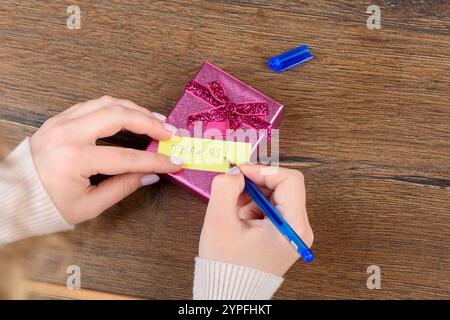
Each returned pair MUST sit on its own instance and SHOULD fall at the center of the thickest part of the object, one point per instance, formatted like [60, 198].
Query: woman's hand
[65, 155]
[236, 231]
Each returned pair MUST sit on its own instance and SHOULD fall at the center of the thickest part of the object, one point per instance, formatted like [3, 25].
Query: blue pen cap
[291, 58]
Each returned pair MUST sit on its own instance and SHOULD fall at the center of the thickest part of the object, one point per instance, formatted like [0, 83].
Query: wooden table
[367, 121]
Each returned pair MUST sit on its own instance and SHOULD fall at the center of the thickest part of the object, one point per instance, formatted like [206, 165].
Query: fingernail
[159, 116]
[170, 127]
[149, 179]
[234, 171]
[176, 161]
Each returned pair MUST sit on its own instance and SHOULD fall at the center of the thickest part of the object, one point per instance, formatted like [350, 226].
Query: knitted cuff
[215, 280]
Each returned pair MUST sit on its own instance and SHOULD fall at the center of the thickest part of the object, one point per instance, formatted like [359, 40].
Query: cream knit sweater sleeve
[215, 280]
[26, 210]
[25, 207]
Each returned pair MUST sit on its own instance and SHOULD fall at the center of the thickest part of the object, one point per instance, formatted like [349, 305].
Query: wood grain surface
[367, 121]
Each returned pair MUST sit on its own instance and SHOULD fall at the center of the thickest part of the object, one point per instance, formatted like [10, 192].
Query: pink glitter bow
[222, 108]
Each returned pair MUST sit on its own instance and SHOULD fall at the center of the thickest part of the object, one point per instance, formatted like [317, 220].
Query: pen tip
[231, 164]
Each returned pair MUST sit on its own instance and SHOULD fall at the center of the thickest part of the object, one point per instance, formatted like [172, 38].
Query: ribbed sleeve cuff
[215, 280]
[26, 209]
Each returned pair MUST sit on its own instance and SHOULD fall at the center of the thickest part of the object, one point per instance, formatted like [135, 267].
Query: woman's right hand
[236, 231]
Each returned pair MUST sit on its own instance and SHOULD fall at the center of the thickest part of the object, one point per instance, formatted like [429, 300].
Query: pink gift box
[199, 182]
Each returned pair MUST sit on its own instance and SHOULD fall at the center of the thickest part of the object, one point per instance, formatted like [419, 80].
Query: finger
[269, 176]
[275, 177]
[110, 191]
[117, 160]
[90, 106]
[289, 189]
[248, 208]
[250, 212]
[223, 203]
[301, 226]
[245, 199]
[108, 121]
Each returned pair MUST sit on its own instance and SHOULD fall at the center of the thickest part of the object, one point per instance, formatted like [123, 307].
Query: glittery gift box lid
[199, 182]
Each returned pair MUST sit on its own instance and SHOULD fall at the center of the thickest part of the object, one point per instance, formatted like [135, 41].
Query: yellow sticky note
[206, 154]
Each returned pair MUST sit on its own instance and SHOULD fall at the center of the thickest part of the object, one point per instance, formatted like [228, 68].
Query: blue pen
[277, 219]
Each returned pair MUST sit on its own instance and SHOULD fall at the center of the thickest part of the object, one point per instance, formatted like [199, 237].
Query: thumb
[223, 202]
[111, 191]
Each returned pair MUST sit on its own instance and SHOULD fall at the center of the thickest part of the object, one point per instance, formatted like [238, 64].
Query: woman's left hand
[65, 155]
